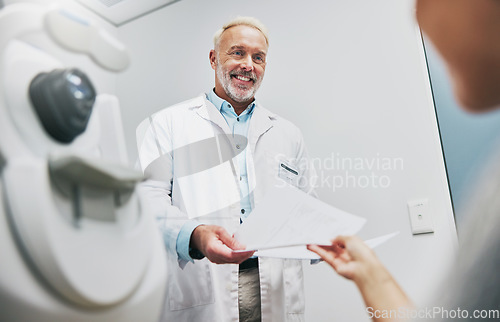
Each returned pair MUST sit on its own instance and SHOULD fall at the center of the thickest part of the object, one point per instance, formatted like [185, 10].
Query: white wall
[352, 76]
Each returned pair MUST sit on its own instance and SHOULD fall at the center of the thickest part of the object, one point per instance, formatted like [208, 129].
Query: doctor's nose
[247, 63]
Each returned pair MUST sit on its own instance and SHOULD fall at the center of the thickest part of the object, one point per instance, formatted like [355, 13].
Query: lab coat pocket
[288, 173]
[190, 286]
[284, 168]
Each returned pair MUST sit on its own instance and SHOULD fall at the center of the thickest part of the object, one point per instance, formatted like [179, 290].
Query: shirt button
[243, 211]
[241, 178]
[238, 119]
[238, 146]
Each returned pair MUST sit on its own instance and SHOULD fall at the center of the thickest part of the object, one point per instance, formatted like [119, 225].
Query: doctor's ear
[213, 57]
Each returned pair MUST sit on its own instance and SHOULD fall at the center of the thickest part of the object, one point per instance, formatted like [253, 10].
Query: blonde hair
[245, 21]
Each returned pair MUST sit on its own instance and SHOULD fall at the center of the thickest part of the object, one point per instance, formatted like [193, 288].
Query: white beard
[238, 94]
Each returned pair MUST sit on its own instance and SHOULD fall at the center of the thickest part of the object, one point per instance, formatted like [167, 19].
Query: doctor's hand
[217, 245]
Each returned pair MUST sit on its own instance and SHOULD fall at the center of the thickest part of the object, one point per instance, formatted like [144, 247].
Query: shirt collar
[225, 107]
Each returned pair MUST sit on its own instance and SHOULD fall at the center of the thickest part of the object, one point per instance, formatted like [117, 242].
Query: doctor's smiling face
[239, 61]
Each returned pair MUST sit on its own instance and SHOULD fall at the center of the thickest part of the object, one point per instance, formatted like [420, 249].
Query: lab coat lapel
[260, 123]
[209, 112]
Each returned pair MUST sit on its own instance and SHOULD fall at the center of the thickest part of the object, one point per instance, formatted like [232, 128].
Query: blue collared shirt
[239, 125]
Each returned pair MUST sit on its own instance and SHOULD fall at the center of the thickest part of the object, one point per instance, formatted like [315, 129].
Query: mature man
[210, 161]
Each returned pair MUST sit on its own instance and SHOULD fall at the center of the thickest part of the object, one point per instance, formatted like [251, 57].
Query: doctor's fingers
[224, 255]
[238, 258]
[229, 240]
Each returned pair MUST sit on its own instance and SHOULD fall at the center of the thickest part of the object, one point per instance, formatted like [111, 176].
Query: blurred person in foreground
[467, 35]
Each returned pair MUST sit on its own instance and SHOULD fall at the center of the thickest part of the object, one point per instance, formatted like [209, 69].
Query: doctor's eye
[238, 53]
[259, 59]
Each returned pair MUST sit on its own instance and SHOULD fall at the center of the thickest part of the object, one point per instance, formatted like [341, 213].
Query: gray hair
[245, 21]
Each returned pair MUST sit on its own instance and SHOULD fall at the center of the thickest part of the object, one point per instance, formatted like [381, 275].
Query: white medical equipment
[76, 240]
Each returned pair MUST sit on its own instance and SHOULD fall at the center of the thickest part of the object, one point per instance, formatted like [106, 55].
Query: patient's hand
[353, 259]
[349, 256]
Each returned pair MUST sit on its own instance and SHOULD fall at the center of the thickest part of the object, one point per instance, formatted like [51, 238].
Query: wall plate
[420, 217]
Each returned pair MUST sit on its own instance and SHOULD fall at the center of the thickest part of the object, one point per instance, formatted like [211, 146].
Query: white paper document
[289, 217]
[374, 242]
[301, 252]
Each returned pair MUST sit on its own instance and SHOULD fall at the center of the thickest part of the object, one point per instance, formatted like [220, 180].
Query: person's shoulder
[279, 120]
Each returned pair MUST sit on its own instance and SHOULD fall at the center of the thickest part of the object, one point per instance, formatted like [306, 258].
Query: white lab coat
[203, 291]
